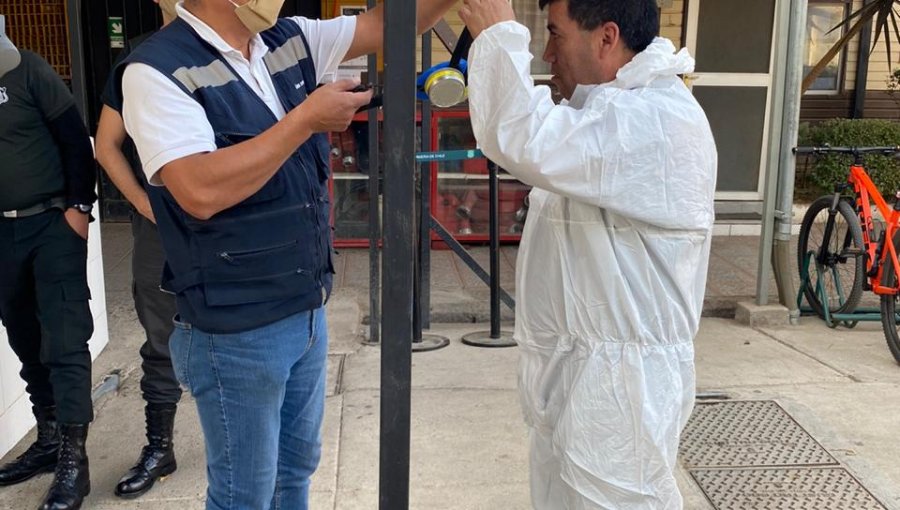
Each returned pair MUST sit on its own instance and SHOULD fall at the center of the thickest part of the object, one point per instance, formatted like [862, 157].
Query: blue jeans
[260, 395]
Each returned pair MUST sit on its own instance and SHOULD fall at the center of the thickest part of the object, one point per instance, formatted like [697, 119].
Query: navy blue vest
[269, 256]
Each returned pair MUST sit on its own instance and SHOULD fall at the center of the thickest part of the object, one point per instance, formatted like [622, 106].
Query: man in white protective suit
[613, 260]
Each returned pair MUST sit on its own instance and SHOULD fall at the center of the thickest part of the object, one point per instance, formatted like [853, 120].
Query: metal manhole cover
[784, 489]
[748, 433]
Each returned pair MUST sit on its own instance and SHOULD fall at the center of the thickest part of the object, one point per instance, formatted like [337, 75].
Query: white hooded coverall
[611, 269]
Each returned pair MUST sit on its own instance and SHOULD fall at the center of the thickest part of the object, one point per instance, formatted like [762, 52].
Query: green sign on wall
[116, 32]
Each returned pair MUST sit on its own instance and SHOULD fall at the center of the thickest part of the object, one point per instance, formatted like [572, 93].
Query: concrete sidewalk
[469, 447]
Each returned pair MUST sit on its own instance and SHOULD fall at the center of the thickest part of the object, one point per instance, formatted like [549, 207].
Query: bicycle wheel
[889, 305]
[842, 264]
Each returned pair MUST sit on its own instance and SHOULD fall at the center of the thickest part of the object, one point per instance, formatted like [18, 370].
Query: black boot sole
[78, 505]
[134, 495]
[45, 469]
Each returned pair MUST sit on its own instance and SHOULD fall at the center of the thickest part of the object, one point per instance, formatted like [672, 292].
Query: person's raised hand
[479, 15]
[332, 106]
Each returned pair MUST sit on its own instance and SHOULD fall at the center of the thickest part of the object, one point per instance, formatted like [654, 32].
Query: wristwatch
[83, 208]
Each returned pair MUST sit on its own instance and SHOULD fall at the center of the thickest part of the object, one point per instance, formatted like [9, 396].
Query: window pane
[739, 143]
[820, 20]
[530, 15]
[735, 36]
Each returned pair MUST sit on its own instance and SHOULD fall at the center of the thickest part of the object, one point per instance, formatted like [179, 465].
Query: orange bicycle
[843, 251]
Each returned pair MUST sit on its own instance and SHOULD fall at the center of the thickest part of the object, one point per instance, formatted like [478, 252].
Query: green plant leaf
[881, 11]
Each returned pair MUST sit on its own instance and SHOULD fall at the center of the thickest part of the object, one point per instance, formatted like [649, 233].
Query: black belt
[53, 203]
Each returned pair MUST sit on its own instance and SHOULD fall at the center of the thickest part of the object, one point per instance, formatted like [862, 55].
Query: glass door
[732, 43]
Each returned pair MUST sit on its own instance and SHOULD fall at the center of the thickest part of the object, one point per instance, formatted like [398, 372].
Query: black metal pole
[399, 251]
[423, 342]
[374, 210]
[494, 191]
[76, 48]
[495, 337]
[419, 277]
[417, 262]
[417, 282]
[425, 217]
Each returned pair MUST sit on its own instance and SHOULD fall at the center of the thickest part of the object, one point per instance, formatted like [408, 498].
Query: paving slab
[444, 273]
[728, 355]
[861, 353]
[344, 317]
[488, 497]
[323, 485]
[455, 366]
[462, 441]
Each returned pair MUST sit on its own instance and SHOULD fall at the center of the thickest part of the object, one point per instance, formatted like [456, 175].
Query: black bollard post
[494, 192]
[495, 337]
[423, 342]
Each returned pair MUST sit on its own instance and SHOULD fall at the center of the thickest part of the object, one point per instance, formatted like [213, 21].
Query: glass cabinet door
[350, 172]
[461, 200]
[459, 192]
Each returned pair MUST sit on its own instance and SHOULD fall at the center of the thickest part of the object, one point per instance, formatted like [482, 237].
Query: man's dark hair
[638, 20]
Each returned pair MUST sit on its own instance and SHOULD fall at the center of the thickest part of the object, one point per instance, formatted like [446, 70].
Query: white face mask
[258, 15]
[9, 55]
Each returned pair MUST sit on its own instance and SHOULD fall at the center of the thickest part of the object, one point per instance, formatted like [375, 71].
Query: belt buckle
[10, 214]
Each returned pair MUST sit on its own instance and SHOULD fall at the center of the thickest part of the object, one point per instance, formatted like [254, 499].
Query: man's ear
[606, 38]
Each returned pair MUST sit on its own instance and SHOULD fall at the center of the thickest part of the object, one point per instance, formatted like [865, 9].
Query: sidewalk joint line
[810, 356]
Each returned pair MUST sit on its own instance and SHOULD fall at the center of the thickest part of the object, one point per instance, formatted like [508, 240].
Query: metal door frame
[753, 80]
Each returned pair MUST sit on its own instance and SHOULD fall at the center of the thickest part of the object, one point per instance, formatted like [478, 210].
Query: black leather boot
[157, 458]
[72, 482]
[40, 457]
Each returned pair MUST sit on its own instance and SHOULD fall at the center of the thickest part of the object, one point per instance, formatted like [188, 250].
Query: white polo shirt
[167, 124]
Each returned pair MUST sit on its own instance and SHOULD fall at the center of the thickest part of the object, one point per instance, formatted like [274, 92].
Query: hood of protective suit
[611, 269]
[658, 60]
[9, 55]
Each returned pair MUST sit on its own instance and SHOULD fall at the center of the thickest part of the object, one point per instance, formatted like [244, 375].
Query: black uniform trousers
[44, 306]
[155, 310]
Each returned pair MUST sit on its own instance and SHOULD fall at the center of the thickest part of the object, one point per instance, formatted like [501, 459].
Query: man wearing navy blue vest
[223, 107]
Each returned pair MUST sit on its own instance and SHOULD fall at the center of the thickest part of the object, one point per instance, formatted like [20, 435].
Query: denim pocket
[311, 330]
[178, 324]
[180, 351]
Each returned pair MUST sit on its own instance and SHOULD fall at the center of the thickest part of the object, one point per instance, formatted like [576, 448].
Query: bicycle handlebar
[856, 151]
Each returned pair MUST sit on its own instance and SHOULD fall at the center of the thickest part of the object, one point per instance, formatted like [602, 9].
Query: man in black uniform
[47, 183]
[155, 308]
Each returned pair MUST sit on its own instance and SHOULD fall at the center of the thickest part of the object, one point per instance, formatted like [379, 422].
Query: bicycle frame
[866, 193]
[824, 260]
